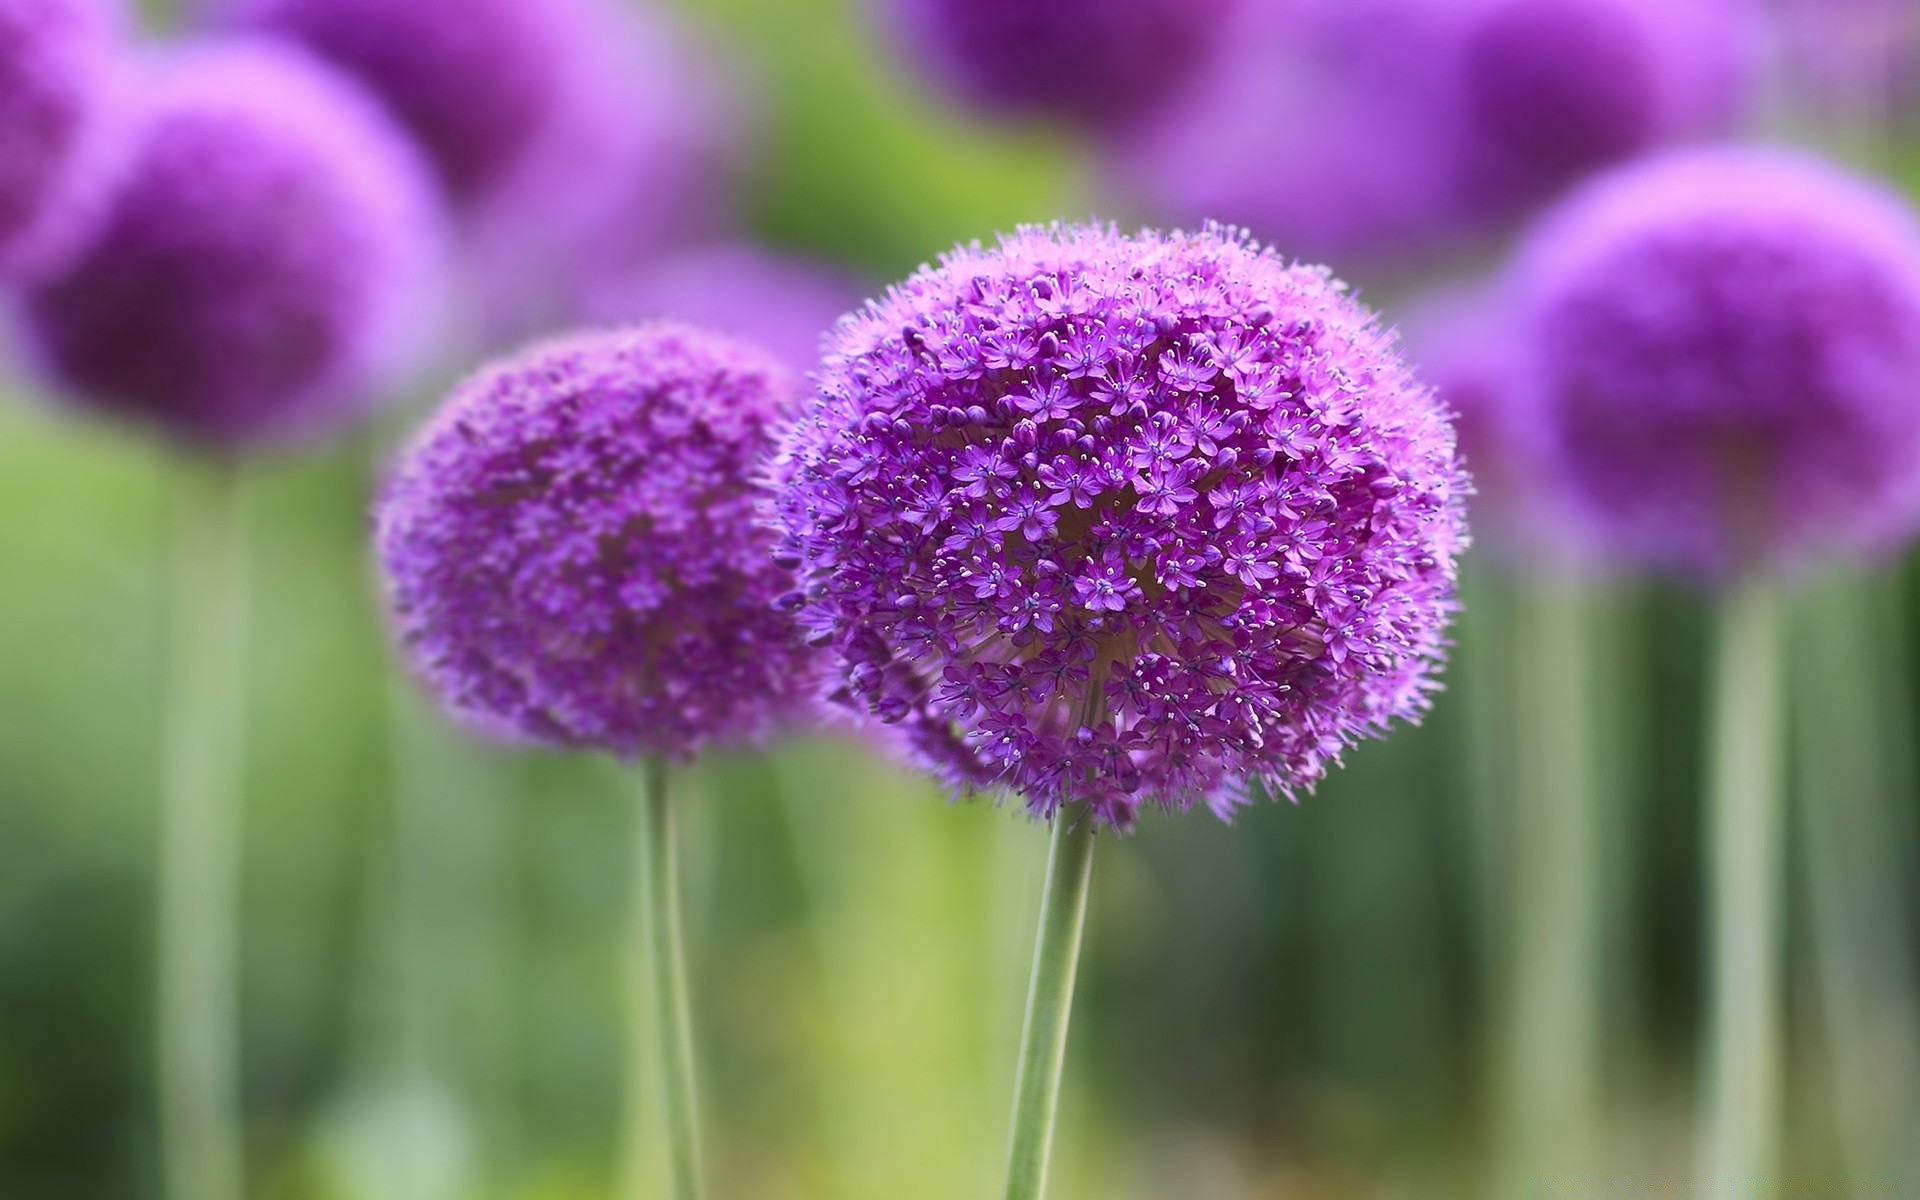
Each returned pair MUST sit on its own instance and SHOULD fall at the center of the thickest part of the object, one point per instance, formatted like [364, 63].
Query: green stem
[1745, 815]
[658, 910]
[1553, 1058]
[1043, 1039]
[199, 844]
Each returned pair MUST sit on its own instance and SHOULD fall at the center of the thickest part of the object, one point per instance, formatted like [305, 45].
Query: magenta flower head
[474, 80]
[1718, 360]
[572, 553]
[1139, 519]
[57, 79]
[1554, 89]
[1092, 63]
[265, 260]
[782, 303]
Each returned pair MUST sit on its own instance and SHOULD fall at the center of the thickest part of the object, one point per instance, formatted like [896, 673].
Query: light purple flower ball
[264, 261]
[783, 303]
[1095, 63]
[1142, 519]
[1721, 361]
[572, 552]
[57, 77]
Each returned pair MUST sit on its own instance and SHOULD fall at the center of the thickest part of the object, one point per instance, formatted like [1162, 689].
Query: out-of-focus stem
[197, 1035]
[657, 910]
[1043, 1037]
[1855, 845]
[1744, 818]
[1553, 1052]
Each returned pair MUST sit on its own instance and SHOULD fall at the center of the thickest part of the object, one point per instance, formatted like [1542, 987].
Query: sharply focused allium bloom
[1096, 63]
[1721, 360]
[572, 553]
[1136, 519]
[1412, 125]
[264, 259]
[781, 303]
[56, 82]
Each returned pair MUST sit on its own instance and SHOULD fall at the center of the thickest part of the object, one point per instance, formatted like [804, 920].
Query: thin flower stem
[1043, 1038]
[658, 912]
[1745, 797]
[1553, 1057]
[197, 918]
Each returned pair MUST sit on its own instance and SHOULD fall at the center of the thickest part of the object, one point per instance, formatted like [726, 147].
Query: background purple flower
[57, 76]
[782, 303]
[1375, 133]
[1096, 63]
[263, 260]
[1720, 352]
[572, 554]
[1255, 512]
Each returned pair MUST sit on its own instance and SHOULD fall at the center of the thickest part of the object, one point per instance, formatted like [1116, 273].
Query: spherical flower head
[1555, 89]
[572, 553]
[56, 87]
[1718, 355]
[782, 303]
[1093, 63]
[1139, 518]
[474, 80]
[265, 258]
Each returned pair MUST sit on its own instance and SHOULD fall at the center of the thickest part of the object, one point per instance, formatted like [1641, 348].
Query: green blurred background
[1308, 1003]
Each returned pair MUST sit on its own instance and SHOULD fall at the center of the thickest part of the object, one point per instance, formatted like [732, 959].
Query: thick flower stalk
[1142, 519]
[263, 261]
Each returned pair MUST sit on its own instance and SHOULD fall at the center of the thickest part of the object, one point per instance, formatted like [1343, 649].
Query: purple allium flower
[1251, 514]
[572, 551]
[264, 258]
[1096, 63]
[782, 303]
[56, 85]
[1555, 89]
[1414, 125]
[1719, 356]
[474, 80]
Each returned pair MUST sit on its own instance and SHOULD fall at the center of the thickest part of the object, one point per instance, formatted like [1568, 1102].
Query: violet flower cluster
[57, 77]
[1111, 520]
[1719, 361]
[264, 258]
[572, 551]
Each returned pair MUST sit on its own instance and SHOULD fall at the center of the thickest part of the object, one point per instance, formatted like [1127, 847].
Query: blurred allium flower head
[576, 136]
[1414, 125]
[572, 552]
[782, 303]
[1720, 355]
[264, 261]
[1093, 63]
[57, 78]
[1124, 519]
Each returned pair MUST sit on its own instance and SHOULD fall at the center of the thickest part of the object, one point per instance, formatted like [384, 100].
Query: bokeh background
[1312, 1002]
